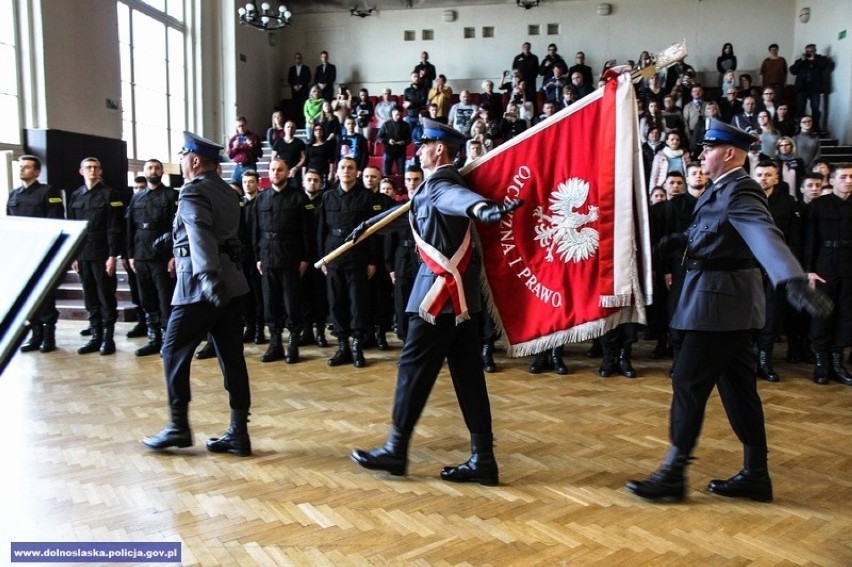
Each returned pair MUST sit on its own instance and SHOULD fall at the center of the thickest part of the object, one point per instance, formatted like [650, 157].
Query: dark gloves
[807, 299]
[358, 232]
[492, 212]
[670, 243]
[162, 245]
[212, 288]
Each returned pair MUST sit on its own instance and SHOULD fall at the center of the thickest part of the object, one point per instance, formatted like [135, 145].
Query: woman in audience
[313, 106]
[329, 122]
[320, 155]
[363, 112]
[768, 134]
[727, 61]
[342, 104]
[784, 123]
[807, 141]
[729, 81]
[670, 158]
[650, 147]
[384, 108]
[478, 131]
[792, 166]
[276, 131]
[653, 119]
[388, 187]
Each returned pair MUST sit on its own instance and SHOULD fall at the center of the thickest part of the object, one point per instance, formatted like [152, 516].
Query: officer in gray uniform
[721, 304]
[442, 328]
[210, 286]
[35, 199]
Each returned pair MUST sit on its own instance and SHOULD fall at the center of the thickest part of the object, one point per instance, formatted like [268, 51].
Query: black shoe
[837, 371]
[275, 351]
[260, 336]
[236, 439]
[94, 343]
[391, 458]
[625, 367]
[556, 361]
[607, 368]
[481, 467]
[140, 329]
[207, 351]
[292, 354]
[382, 341]
[539, 364]
[667, 482]
[343, 354]
[764, 366]
[306, 338]
[152, 347]
[36, 339]
[87, 332]
[248, 334]
[745, 484]
[358, 354]
[48, 343]
[322, 342]
[596, 350]
[175, 434]
[488, 364]
[821, 371]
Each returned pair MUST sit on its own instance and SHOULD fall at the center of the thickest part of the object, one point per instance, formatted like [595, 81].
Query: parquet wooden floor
[75, 470]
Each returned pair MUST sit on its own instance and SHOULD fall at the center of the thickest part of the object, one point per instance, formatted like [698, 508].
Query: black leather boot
[391, 458]
[539, 364]
[276, 347]
[176, 433]
[666, 483]
[838, 372]
[292, 355]
[207, 351]
[48, 343]
[36, 338]
[322, 342]
[87, 332]
[488, 364]
[358, 353]
[607, 368]
[108, 342]
[821, 370]
[481, 467]
[155, 343]
[248, 333]
[260, 335]
[140, 329]
[236, 439]
[596, 350]
[661, 349]
[556, 360]
[381, 339]
[343, 354]
[306, 338]
[624, 364]
[752, 482]
[764, 366]
[94, 343]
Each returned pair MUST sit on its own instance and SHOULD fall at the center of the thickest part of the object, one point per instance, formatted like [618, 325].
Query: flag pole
[343, 248]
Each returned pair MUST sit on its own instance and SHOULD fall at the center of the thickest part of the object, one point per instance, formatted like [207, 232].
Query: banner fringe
[622, 300]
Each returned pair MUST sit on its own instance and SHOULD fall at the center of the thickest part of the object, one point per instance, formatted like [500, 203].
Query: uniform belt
[151, 226]
[720, 264]
[837, 243]
[338, 232]
[276, 235]
[183, 251]
[407, 243]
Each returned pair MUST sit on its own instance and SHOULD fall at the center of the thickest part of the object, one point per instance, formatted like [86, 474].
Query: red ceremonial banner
[563, 267]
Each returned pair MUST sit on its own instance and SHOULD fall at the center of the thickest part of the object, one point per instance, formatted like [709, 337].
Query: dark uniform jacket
[401, 252]
[37, 200]
[789, 217]
[247, 219]
[340, 213]
[149, 216]
[731, 223]
[828, 243]
[207, 218]
[281, 228]
[440, 214]
[103, 207]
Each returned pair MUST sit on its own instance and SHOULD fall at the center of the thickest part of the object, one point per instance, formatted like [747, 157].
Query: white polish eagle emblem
[564, 231]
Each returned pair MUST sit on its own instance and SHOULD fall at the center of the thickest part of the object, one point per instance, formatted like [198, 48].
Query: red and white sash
[449, 284]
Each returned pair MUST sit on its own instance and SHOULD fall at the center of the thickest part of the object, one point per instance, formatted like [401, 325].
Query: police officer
[253, 303]
[344, 206]
[828, 258]
[314, 284]
[442, 209]
[208, 298]
[281, 239]
[149, 218]
[103, 208]
[35, 199]
[721, 305]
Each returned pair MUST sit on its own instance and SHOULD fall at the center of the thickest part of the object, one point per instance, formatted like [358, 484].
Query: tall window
[10, 125]
[152, 38]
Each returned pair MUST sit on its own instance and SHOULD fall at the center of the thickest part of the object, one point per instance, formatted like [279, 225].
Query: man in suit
[731, 235]
[325, 76]
[208, 298]
[299, 79]
[440, 325]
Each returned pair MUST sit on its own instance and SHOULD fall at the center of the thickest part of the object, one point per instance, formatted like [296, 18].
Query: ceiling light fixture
[527, 4]
[358, 12]
[265, 19]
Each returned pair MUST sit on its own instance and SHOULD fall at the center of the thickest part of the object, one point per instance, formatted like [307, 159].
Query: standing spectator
[321, 156]
[653, 91]
[695, 110]
[363, 112]
[384, 108]
[812, 72]
[526, 63]
[103, 208]
[441, 96]
[783, 121]
[650, 147]
[671, 158]
[727, 61]
[207, 299]
[415, 99]
[653, 118]
[462, 114]
[325, 76]
[312, 110]
[747, 119]
[395, 135]
[292, 150]
[426, 71]
[299, 79]
[579, 85]
[276, 131]
[342, 103]
[792, 166]
[149, 217]
[581, 67]
[244, 148]
[828, 261]
[773, 71]
[807, 141]
[489, 100]
[729, 81]
[552, 87]
[35, 199]
[672, 116]
[551, 60]
[353, 145]
[329, 122]
[768, 134]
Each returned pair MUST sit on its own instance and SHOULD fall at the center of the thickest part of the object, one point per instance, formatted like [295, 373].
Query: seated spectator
[511, 124]
[791, 165]
[653, 118]
[462, 114]
[276, 131]
[489, 100]
[569, 97]
[441, 96]
[671, 158]
[479, 131]
[353, 145]
[747, 119]
[768, 135]
[580, 87]
[384, 108]
[807, 141]
[768, 103]
[672, 116]
[653, 92]
[711, 110]
[548, 109]
[730, 105]
[784, 122]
